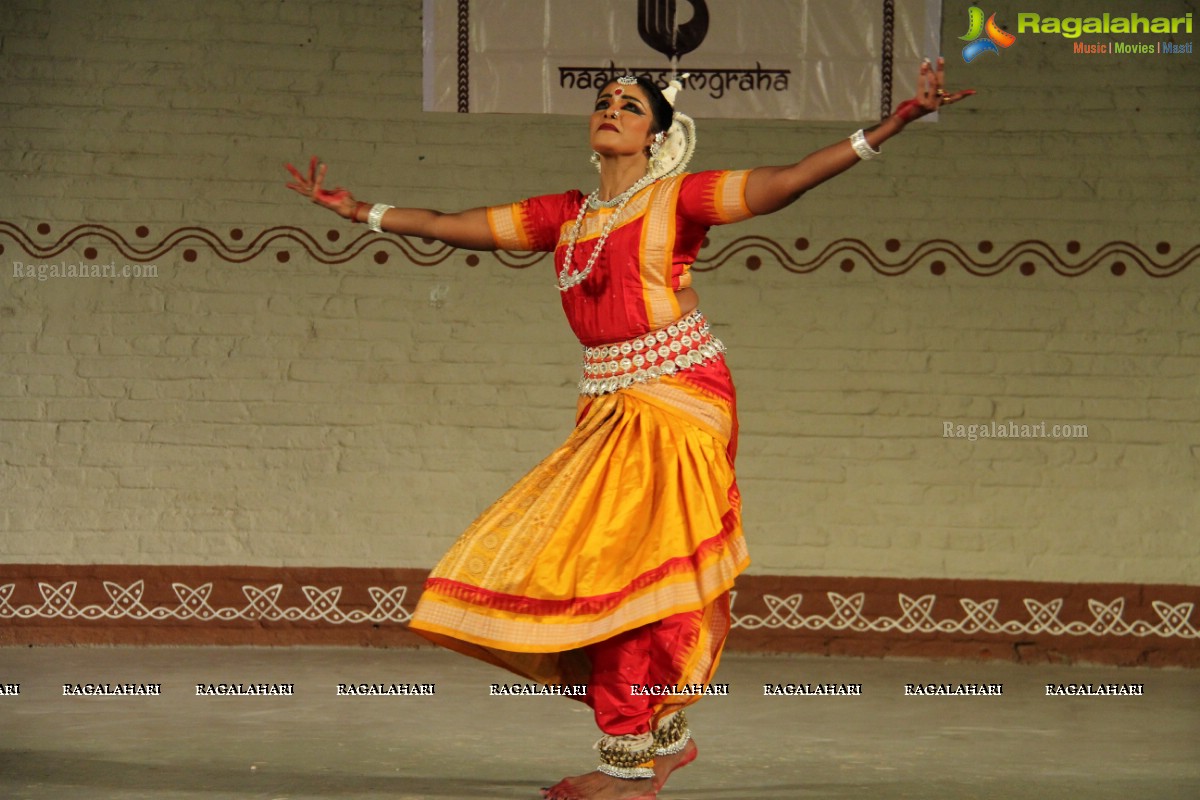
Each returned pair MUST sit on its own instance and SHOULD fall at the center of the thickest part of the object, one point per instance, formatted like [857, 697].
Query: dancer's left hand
[931, 93]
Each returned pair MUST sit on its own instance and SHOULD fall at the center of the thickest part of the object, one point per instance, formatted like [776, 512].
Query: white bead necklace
[568, 279]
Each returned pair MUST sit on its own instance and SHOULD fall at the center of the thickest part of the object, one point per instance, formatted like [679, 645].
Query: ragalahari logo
[993, 38]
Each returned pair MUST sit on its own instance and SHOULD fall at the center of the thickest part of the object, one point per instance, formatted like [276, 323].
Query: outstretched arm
[769, 189]
[466, 229]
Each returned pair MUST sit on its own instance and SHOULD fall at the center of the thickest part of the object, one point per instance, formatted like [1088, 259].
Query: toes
[561, 791]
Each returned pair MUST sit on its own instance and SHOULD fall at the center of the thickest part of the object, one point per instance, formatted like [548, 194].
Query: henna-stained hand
[338, 200]
[931, 94]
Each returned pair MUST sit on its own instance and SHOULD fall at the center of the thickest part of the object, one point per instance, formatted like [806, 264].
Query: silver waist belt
[683, 344]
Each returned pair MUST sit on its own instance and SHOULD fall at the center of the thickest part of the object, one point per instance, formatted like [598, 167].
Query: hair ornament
[676, 149]
[674, 87]
[673, 151]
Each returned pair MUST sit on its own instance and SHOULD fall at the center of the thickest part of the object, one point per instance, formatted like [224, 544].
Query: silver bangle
[858, 141]
[375, 218]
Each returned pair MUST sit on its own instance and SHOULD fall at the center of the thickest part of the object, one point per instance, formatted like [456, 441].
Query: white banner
[847, 60]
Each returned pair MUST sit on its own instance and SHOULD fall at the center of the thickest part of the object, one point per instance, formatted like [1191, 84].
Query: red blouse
[646, 258]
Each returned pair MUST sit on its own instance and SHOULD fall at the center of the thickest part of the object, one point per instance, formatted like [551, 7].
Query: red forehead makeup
[618, 92]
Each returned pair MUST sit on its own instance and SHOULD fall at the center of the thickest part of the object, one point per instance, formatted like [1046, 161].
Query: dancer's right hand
[338, 200]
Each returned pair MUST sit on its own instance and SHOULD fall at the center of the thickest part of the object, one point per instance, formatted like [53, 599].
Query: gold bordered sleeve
[533, 223]
[714, 197]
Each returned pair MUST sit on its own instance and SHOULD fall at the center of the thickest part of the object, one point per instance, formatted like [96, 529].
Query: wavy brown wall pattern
[892, 257]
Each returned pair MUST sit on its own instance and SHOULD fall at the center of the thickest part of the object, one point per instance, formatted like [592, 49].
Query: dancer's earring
[655, 149]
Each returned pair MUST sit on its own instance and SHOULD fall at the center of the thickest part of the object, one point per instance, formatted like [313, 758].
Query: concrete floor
[463, 743]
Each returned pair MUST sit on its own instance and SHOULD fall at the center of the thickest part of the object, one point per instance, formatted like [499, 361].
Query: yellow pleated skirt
[636, 517]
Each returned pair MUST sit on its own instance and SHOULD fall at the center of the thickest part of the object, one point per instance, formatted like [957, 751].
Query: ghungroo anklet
[630, 757]
[672, 735]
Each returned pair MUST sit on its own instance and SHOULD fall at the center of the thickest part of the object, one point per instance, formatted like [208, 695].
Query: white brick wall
[358, 414]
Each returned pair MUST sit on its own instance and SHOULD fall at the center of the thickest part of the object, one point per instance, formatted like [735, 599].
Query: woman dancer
[610, 564]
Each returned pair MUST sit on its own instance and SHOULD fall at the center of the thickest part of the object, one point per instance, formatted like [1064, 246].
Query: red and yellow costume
[611, 562]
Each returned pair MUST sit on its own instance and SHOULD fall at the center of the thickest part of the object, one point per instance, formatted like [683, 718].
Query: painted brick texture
[283, 411]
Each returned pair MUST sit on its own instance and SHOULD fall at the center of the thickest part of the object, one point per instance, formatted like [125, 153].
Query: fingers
[320, 179]
[298, 185]
[939, 82]
[311, 187]
[931, 82]
[930, 85]
[934, 77]
[950, 99]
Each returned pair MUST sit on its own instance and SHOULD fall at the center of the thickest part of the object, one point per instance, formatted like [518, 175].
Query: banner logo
[983, 37]
[743, 59]
[657, 26]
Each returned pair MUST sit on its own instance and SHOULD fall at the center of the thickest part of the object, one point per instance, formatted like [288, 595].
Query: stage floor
[463, 741]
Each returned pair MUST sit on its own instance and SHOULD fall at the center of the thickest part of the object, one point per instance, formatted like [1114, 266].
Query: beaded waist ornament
[683, 344]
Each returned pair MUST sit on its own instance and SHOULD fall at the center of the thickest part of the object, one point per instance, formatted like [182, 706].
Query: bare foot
[665, 765]
[598, 786]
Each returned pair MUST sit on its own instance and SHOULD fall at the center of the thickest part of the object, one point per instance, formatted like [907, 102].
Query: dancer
[610, 564]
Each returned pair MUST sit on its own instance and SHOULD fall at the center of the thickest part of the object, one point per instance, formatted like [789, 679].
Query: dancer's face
[622, 120]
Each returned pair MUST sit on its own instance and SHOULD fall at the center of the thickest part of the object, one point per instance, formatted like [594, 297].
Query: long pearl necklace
[568, 279]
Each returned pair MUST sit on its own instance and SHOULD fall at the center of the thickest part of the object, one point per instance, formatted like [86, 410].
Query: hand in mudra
[338, 200]
[931, 94]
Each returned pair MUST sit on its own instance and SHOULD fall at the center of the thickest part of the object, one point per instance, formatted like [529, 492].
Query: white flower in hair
[674, 87]
[680, 142]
